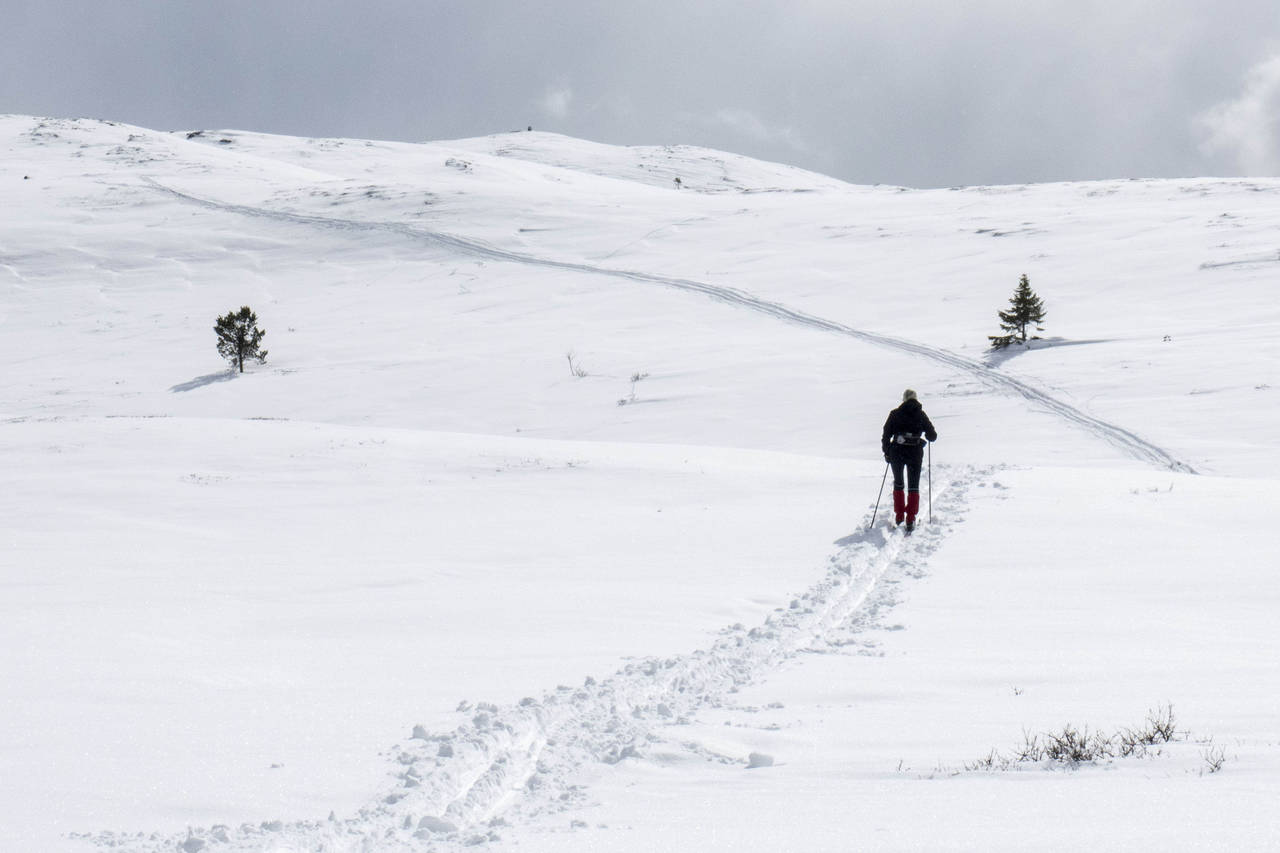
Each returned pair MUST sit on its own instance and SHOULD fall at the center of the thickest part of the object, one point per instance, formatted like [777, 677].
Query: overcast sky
[915, 93]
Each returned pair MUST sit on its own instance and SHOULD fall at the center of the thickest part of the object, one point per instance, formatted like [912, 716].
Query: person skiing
[905, 434]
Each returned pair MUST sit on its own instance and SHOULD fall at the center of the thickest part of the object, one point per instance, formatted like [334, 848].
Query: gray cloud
[924, 93]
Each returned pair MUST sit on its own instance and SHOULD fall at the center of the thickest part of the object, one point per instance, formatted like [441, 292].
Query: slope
[239, 589]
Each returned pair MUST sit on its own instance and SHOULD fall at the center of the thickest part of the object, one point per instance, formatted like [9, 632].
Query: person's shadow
[873, 535]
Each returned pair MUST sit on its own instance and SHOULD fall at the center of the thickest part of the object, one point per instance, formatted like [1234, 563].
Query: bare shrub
[1073, 746]
[635, 378]
[1158, 729]
[1214, 758]
[993, 761]
[575, 368]
[1032, 750]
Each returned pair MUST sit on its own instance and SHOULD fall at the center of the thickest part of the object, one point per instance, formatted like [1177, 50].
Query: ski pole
[880, 495]
[931, 482]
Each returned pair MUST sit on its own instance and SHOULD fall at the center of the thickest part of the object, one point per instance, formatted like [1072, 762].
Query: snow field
[374, 572]
[968, 649]
[414, 574]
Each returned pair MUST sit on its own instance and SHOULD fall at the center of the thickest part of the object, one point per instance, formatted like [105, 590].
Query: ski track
[1127, 441]
[511, 764]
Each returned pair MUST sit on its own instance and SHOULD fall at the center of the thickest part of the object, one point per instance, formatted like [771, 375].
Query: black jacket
[907, 419]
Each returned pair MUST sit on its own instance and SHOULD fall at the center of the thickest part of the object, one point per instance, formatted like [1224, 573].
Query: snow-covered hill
[559, 473]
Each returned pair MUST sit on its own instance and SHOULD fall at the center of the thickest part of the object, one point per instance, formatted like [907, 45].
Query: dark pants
[911, 459]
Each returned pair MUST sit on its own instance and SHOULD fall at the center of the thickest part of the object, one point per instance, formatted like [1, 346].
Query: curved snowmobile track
[510, 764]
[1132, 444]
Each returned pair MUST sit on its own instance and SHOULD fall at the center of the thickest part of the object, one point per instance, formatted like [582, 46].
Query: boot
[899, 505]
[913, 507]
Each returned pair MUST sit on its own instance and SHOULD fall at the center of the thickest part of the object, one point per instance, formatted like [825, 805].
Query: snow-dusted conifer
[239, 337]
[1025, 309]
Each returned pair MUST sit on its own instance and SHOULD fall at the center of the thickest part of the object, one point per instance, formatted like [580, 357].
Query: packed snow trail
[516, 762]
[1128, 442]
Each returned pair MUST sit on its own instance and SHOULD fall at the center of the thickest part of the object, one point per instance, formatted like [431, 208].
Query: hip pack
[907, 438]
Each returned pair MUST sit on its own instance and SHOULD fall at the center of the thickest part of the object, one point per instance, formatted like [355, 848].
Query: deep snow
[412, 583]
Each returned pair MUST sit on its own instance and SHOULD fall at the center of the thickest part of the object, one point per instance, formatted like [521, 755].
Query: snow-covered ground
[414, 583]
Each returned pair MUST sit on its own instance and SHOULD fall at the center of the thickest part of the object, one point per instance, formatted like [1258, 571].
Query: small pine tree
[239, 337]
[1025, 309]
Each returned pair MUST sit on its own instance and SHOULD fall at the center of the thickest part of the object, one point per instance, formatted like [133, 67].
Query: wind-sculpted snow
[1130, 443]
[513, 763]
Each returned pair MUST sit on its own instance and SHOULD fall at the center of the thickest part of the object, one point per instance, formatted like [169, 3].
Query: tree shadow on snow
[201, 381]
[995, 358]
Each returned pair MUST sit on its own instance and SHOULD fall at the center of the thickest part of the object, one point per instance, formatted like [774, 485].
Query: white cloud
[557, 101]
[750, 125]
[1247, 128]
